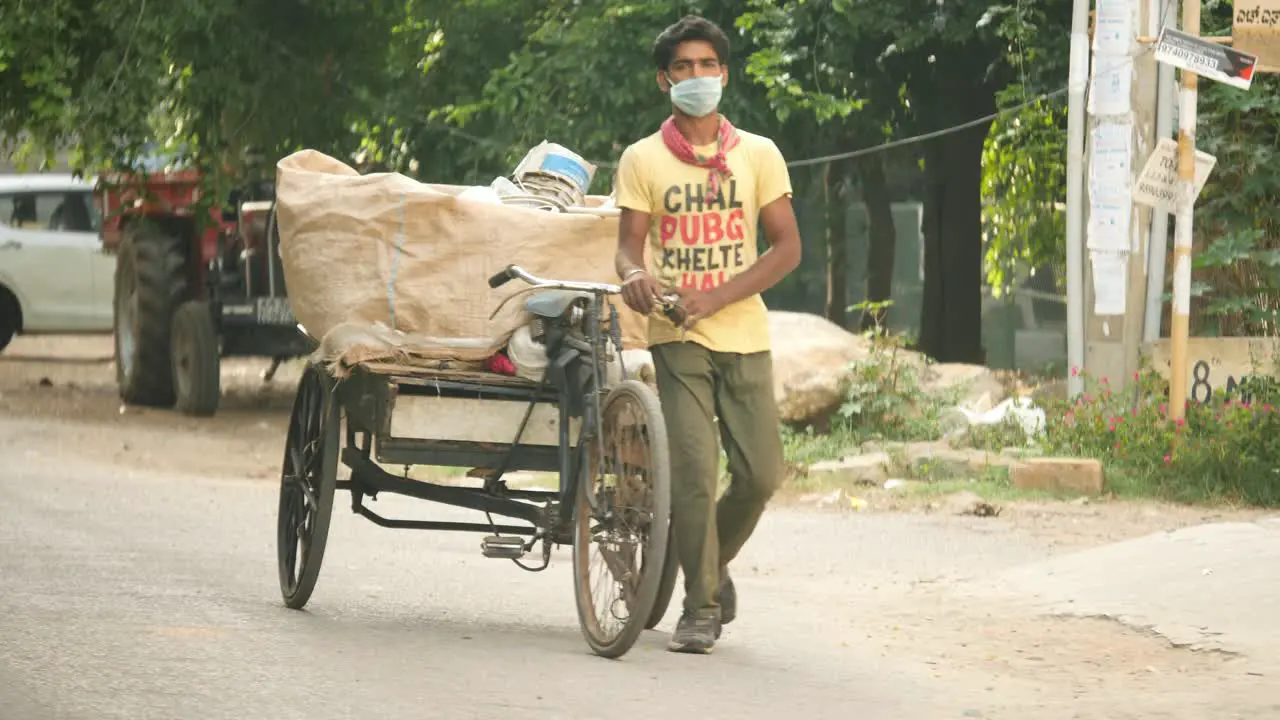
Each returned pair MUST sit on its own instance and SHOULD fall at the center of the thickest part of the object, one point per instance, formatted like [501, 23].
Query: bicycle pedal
[503, 547]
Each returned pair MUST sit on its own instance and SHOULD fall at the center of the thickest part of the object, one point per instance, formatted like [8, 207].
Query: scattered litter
[986, 509]
[857, 503]
[894, 484]
[830, 499]
[967, 503]
[1022, 410]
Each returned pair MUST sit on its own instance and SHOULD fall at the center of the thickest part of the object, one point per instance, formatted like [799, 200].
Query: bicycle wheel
[308, 479]
[666, 588]
[632, 485]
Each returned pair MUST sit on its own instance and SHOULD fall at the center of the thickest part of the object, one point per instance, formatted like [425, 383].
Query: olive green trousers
[710, 398]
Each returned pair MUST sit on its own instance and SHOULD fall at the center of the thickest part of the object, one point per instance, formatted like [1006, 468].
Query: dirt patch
[1017, 661]
[71, 381]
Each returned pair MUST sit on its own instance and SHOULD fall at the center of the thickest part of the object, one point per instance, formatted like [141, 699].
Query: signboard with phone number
[1206, 59]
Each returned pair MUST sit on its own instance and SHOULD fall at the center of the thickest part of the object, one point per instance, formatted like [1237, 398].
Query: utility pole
[1179, 327]
[1121, 131]
[1077, 82]
[1158, 248]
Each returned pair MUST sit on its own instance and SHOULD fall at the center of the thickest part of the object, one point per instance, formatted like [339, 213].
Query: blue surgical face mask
[698, 96]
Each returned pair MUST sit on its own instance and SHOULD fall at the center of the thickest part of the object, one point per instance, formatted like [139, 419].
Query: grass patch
[806, 447]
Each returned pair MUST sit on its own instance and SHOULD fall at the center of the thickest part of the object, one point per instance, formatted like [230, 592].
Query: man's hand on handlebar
[698, 304]
[641, 292]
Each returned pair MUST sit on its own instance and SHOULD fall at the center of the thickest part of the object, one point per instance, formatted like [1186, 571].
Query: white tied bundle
[554, 175]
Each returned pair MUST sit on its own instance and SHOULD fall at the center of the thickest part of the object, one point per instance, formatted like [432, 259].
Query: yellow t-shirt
[696, 244]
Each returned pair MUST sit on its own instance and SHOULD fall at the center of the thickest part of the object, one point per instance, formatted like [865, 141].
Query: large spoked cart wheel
[307, 483]
[667, 587]
[620, 545]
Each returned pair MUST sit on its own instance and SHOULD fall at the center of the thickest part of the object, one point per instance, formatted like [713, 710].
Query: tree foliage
[204, 78]
[1237, 221]
[457, 90]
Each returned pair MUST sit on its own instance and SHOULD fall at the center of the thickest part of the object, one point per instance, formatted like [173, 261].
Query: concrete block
[1059, 475]
[870, 469]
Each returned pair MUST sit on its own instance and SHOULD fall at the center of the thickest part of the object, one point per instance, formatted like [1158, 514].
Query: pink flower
[1167, 460]
[1135, 374]
[1180, 422]
[1164, 408]
[1134, 412]
[1075, 371]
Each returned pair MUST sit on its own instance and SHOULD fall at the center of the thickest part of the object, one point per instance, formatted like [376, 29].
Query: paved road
[132, 594]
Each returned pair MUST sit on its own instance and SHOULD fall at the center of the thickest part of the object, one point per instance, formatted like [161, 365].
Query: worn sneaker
[727, 598]
[694, 634]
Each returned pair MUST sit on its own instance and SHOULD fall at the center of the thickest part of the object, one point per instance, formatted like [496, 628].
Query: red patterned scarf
[679, 146]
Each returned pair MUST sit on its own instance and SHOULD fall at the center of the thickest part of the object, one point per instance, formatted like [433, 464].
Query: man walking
[696, 191]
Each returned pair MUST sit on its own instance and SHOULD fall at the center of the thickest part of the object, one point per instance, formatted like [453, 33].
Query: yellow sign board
[1217, 363]
[1255, 29]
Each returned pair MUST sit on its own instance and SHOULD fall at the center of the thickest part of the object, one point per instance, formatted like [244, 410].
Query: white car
[54, 275]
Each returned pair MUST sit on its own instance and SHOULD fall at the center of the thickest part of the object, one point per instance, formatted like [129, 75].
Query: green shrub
[1225, 449]
[883, 397]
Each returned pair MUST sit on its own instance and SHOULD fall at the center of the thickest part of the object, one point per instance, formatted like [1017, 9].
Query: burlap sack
[381, 265]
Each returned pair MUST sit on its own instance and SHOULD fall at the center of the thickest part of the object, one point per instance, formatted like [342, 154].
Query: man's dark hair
[690, 27]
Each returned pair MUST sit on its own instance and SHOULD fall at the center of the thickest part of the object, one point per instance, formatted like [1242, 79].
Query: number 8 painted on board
[1201, 375]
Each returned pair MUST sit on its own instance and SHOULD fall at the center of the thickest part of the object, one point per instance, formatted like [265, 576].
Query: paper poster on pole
[1110, 281]
[1110, 165]
[1111, 85]
[1255, 29]
[1109, 225]
[1113, 27]
[1158, 184]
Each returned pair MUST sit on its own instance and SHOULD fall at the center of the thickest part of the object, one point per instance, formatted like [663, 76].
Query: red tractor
[187, 293]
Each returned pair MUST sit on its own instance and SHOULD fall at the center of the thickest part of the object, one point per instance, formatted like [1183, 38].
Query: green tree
[207, 78]
[1236, 264]
[910, 67]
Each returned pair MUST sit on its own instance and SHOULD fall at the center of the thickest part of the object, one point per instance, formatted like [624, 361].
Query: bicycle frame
[576, 367]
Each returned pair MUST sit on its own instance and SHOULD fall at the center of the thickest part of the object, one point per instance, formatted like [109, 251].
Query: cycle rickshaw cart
[607, 444]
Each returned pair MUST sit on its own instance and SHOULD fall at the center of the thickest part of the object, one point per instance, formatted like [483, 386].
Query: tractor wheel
[196, 370]
[150, 283]
[10, 317]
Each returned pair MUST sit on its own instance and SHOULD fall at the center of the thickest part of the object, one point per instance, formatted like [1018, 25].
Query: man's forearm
[774, 265]
[624, 264]
[633, 228]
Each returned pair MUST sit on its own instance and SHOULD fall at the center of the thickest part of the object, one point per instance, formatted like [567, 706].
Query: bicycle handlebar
[515, 272]
[670, 303]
